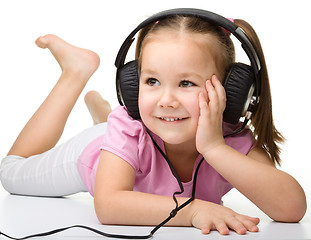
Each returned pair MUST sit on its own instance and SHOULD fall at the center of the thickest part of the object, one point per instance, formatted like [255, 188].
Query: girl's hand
[209, 216]
[212, 106]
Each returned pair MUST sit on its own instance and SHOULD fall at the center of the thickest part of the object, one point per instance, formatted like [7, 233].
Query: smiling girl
[182, 61]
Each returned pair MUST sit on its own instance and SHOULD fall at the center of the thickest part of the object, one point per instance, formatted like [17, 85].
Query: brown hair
[264, 129]
[262, 123]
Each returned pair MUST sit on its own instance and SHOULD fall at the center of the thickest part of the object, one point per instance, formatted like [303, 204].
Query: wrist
[184, 215]
[214, 149]
[193, 210]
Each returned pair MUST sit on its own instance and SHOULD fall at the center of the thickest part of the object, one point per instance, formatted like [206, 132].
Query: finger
[222, 228]
[212, 94]
[202, 99]
[255, 220]
[250, 223]
[203, 104]
[237, 226]
[206, 229]
[220, 90]
[250, 226]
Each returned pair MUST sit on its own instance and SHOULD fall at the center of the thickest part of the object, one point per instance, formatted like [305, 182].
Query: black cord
[172, 214]
[78, 226]
[239, 130]
[177, 208]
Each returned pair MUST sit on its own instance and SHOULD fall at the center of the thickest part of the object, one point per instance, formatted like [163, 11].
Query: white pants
[53, 173]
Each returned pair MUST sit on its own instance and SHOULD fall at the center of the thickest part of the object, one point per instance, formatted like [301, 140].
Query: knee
[91, 96]
[7, 172]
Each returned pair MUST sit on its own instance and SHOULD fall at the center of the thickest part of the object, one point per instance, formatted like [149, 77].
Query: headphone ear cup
[239, 86]
[129, 87]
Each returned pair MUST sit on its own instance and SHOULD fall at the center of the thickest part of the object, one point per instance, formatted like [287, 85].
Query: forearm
[136, 208]
[275, 192]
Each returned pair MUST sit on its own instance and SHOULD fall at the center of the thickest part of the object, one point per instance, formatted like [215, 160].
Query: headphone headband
[204, 14]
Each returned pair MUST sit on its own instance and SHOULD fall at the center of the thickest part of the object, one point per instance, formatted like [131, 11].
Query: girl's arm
[117, 203]
[275, 192]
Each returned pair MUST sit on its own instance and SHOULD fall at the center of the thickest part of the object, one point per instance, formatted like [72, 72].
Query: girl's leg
[98, 107]
[45, 127]
[56, 172]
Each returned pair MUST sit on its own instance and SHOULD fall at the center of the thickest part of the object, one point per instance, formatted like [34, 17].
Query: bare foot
[70, 58]
[98, 107]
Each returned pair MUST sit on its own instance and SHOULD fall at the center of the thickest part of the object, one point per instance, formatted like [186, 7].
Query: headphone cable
[150, 235]
[172, 214]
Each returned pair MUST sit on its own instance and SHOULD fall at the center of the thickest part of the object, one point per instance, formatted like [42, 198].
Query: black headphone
[241, 82]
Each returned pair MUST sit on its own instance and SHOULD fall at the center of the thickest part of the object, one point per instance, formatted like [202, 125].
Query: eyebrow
[186, 74]
[148, 71]
[180, 75]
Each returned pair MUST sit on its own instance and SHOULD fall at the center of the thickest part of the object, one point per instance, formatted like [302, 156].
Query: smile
[170, 119]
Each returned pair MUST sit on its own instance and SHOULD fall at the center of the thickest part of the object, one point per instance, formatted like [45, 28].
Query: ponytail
[266, 134]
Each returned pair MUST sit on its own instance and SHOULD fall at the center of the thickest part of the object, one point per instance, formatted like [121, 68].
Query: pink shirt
[128, 139]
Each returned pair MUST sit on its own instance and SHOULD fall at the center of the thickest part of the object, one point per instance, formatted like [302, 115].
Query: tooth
[170, 119]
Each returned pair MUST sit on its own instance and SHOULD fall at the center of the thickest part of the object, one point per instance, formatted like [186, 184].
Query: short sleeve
[243, 141]
[123, 136]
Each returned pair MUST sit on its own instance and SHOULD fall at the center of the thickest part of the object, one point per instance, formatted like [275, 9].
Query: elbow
[104, 212]
[294, 217]
[103, 218]
[106, 217]
[291, 213]
[291, 206]
[296, 214]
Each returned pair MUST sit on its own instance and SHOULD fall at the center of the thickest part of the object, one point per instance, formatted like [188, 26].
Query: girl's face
[174, 69]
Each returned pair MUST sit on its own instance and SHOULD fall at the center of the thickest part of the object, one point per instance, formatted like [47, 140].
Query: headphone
[241, 82]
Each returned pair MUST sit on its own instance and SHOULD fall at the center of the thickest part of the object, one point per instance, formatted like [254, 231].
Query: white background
[28, 73]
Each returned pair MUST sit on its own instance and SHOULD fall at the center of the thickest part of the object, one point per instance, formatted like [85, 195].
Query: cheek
[143, 104]
[192, 105]
[196, 110]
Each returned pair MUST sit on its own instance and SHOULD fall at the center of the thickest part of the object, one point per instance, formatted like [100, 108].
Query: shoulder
[125, 136]
[243, 141]
[120, 121]
[261, 155]
[120, 114]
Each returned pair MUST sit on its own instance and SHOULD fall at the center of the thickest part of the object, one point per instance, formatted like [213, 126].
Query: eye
[186, 83]
[152, 82]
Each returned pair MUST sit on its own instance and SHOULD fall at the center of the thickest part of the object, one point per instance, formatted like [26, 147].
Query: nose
[168, 99]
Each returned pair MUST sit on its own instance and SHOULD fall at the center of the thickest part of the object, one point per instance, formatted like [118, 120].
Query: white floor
[21, 216]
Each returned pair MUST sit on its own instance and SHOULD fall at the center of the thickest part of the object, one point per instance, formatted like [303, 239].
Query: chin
[176, 139]
[172, 134]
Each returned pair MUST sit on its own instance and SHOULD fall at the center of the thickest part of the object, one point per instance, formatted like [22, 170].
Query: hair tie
[231, 19]
[228, 32]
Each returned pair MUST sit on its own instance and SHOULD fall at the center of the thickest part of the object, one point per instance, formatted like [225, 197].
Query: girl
[182, 63]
